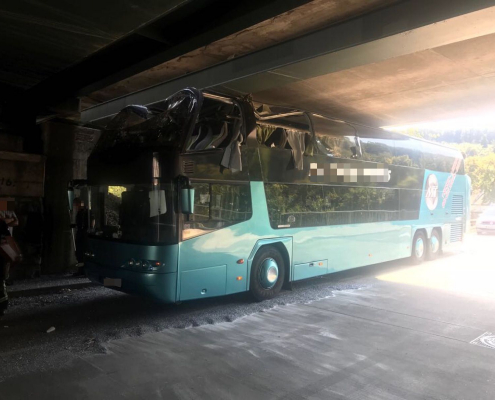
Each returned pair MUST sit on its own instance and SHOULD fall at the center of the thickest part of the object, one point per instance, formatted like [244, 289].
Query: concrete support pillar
[66, 147]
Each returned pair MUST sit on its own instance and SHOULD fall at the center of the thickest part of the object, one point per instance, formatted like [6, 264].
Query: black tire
[416, 257]
[434, 249]
[258, 291]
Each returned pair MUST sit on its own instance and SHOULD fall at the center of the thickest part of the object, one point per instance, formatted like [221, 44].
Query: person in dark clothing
[85, 222]
[4, 270]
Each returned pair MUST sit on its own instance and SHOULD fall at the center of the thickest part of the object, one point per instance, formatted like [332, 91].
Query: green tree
[481, 169]
[472, 149]
[484, 141]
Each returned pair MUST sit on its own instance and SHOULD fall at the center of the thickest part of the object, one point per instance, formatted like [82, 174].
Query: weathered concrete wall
[66, 147]
[10, 142]
[21, 174]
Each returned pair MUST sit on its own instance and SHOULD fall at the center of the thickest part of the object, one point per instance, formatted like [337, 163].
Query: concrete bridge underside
[407, 62]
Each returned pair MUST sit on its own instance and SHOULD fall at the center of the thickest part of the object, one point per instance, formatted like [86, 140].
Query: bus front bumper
[161, 287]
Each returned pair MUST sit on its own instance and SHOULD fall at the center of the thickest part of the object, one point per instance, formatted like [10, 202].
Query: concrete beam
[402, 28]
[186, 26]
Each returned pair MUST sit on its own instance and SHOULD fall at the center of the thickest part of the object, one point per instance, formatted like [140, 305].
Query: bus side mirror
[70, 197]
[187, 200]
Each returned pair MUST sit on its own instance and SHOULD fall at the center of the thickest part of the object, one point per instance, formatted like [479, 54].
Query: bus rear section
[444, 216]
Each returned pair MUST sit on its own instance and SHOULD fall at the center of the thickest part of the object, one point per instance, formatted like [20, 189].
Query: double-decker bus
[206, 195]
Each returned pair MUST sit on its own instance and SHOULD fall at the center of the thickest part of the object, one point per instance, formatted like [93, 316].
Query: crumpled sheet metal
[136, 125]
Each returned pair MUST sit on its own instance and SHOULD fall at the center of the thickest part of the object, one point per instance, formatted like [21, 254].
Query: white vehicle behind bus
[486, 221]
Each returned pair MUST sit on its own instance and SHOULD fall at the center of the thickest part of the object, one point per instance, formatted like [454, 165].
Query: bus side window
[295, 205]
[408, 152]
[263, 132]
[291, 206]
[433, 159]
[217, 206]
[377, 145]
[278, 138]
[335, 138]
[410, 200]
[358, 198]
[201, 202]
[439, 158]
[383, 204]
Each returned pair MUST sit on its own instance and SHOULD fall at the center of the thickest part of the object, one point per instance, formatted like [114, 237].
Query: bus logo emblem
[431, 196]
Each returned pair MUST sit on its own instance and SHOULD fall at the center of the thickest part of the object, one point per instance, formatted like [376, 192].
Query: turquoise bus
[205, 195]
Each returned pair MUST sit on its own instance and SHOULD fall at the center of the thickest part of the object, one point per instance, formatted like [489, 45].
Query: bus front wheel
[419, 247]
[267, 274]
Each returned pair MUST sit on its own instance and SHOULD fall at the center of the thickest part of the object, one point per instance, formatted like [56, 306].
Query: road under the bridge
[388, 331]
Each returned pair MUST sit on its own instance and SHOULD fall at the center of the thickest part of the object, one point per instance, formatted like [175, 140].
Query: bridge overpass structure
[66, 70]
[408, 62]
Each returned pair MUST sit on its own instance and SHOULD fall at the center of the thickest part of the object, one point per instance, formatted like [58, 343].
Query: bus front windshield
[137, 213]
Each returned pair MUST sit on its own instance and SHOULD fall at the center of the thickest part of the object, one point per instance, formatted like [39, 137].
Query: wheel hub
[268, 273]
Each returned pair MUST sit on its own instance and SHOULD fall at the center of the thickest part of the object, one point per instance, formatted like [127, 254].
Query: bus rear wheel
[434, 245]
[267, 274]
[419, 246]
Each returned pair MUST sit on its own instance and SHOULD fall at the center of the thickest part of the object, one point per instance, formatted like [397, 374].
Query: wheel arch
[284, 247]
[426, 232]
[439, 230]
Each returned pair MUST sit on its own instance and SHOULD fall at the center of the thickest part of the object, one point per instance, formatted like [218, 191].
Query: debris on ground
[88, 318]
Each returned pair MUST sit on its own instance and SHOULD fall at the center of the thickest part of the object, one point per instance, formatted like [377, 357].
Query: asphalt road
[90, 321]
[86, 319]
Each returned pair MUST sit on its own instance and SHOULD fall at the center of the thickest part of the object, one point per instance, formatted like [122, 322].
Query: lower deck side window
[317, 205]
[216, 206]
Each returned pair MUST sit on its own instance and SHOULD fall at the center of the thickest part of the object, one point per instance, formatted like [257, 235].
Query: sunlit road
[392, 331]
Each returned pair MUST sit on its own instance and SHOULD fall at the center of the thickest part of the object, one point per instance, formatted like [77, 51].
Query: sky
[478, 122]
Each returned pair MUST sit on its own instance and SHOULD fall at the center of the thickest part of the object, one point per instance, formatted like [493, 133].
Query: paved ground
[388, 332]
[47, 284]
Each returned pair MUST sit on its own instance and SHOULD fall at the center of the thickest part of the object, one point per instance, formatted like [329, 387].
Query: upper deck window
[440, 158]
[290, 132]
[335, 138]
[377, 145]
[274, 132]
